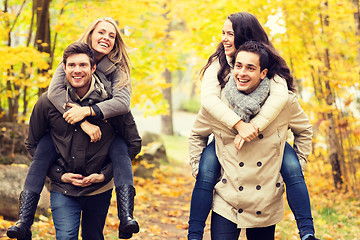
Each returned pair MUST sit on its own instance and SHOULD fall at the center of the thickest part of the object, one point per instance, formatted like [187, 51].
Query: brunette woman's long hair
[246, 28]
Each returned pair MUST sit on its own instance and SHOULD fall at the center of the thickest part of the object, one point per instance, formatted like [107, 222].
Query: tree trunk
[330, 100]
[167, 120]
[357, 30]
[42, 38]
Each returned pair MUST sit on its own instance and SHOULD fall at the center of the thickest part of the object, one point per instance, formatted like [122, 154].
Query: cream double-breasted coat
[250, 191]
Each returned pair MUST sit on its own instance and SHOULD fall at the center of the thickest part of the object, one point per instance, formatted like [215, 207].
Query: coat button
[58, 170]
[224, 180]
[261, 136]
[241, 164]
[259, 164]
[241, 188]
[278, 185]
[258, 212]
[258, 187]
[240, 210]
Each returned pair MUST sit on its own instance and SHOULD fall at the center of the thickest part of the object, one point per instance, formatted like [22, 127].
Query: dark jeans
[223, 229]
[67, 211]
[46, 155]
[209, 169]
[122, 167]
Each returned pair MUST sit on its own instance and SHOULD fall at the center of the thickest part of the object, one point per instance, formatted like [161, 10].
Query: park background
[168, 43]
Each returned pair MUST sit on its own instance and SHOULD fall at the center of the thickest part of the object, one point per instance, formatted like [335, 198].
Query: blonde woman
[103, 36]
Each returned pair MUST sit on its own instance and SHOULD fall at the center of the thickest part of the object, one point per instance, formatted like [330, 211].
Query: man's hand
[76, 113]
[92, 130]
[247, 131]
[94, 178]
[74, 179]
[81, 181]
[238, 142]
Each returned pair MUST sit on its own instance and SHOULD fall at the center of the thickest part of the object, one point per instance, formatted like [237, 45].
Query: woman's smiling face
[103, 39]
[227, 39]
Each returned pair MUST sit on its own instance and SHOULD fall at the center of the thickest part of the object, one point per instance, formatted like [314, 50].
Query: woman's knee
[118, 146]
[209, 167]
[290, 166]
[45, 149]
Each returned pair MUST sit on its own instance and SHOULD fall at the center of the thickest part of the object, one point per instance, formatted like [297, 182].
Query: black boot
[27, 208]
[125, 202]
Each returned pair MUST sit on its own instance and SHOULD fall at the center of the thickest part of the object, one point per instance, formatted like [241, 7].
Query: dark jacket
[124, 125]
[76, 153]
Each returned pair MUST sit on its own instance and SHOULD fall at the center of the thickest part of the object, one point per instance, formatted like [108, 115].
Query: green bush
[191, 105]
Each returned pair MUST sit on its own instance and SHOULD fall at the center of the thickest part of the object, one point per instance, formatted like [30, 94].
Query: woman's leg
[296, 191]
[223, 229]
[45, 156]
[124, 187]
[263, 233]
[202, 196]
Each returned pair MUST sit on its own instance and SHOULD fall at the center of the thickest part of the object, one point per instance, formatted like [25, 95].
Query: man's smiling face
[78, 71]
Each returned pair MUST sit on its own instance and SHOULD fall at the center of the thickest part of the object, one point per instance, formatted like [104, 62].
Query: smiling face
[247, 71]
[78, 72]
[227, 38]
[103, 39]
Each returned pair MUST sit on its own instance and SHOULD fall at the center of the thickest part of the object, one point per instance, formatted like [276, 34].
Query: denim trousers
[68, 211]
[223, 229]
[209, 170]
[46, 155]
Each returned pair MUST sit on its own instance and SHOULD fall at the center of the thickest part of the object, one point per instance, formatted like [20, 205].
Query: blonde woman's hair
[118, 54]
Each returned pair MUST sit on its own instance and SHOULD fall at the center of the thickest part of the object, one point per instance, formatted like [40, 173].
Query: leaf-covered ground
[162, 205]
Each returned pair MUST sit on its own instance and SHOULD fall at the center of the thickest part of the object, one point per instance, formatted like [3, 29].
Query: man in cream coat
[250, 191]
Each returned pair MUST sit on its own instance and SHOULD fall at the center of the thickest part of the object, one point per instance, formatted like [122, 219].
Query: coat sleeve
[39, 123]
[210, 98]
[302, 129]
[55, 172]
[120, 102]
[273, 104]
[198, 140]
[107, 170]
[127, 129]
[57, 91]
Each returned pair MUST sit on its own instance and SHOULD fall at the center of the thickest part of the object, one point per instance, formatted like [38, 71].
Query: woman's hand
[76, 113]
[247, 131]
[92, 130]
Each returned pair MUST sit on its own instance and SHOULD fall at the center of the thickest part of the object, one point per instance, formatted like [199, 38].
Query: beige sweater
[210, 100]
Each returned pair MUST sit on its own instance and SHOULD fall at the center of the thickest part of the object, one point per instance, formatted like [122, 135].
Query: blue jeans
[223, 229]
[46, 155]
[209, 169]
[67, 212]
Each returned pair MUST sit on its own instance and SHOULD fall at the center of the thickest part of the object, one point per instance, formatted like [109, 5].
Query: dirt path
[163, 211]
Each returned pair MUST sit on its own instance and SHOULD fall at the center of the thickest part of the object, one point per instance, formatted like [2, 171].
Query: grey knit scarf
[247, 105]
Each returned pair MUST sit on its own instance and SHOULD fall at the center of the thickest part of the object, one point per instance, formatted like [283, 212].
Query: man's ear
[64, 65]
[263, 73]
[93, 69]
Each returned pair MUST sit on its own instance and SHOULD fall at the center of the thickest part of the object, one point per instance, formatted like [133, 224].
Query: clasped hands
[246, 133]
[81, 181]
[76, 114]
